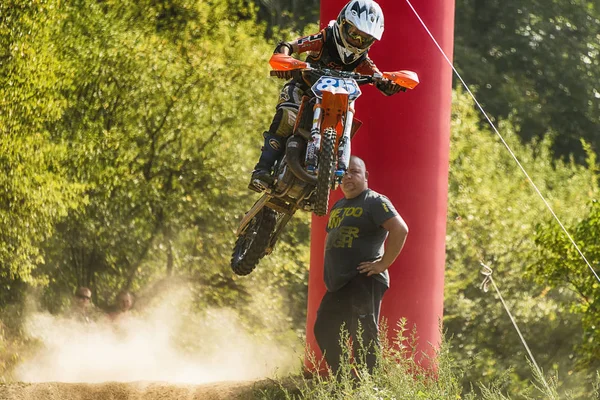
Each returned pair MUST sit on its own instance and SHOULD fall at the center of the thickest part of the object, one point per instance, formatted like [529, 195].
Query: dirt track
[135, 391]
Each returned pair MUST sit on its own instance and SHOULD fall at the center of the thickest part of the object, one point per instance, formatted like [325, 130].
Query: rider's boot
[271, 151]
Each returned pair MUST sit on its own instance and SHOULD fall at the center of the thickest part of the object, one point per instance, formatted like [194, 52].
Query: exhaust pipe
[294, 150]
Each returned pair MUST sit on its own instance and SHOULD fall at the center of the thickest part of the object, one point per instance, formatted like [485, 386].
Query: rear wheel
[326, 171]
[251, 245]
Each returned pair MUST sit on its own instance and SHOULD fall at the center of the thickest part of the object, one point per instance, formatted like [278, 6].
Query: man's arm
[398, 230]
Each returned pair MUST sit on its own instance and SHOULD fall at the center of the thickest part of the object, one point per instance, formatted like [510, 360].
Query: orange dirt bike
[316, 155]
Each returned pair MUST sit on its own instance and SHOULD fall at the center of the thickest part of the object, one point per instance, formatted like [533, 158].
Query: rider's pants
[287, 108]
[281, 127]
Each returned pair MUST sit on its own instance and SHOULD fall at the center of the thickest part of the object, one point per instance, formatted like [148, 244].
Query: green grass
[400, 376]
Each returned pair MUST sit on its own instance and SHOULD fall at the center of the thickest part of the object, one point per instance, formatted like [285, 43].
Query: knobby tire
[251, 245]
[326, 171]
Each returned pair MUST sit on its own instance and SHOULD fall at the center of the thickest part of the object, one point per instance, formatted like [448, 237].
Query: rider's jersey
[322, 51]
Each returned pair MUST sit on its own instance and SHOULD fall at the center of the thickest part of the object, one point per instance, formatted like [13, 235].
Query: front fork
[344, 149]
[314, 145]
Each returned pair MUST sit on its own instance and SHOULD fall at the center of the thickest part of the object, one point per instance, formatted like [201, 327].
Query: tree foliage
[559, 264]
[155, 122]
[36, 192]
[132, 129]
[536, 62]
[493, 217]
[291, 14]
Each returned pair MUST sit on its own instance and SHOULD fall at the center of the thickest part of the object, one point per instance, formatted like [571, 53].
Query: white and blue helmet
[356, 28]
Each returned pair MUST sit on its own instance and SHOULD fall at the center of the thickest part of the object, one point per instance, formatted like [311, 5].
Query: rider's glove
[284, 74]
[388, 87]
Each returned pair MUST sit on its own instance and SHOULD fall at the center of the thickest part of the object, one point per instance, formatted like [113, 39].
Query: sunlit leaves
[561, 265]
[493, 217]
[35, 192]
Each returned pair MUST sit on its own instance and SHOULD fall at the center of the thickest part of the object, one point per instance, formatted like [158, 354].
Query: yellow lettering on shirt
[337, 215]
[345, 237]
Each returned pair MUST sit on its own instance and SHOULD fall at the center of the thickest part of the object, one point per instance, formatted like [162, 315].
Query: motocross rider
[343, 45]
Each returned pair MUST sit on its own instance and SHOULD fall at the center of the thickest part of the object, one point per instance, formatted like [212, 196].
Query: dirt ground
[138, 391]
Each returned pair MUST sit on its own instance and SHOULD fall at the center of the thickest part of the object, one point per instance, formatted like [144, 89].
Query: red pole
[404, 141]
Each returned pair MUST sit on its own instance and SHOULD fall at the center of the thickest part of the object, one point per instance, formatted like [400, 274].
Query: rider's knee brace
[283, 122]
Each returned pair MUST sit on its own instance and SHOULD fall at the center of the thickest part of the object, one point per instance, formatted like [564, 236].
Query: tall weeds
[402, 373]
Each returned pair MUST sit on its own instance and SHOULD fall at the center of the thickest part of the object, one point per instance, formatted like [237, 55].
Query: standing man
[124, 303]
[82, 309]
[356, 264]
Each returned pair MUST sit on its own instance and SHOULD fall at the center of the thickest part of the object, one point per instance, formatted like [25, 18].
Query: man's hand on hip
[371, 267]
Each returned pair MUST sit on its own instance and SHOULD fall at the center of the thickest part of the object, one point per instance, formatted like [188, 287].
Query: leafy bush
[401, 375]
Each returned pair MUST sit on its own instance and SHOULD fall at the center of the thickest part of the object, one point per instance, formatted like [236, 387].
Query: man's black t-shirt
[354, 235]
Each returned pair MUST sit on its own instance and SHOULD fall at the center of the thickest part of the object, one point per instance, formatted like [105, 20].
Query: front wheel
[326, 171]
[252, 244]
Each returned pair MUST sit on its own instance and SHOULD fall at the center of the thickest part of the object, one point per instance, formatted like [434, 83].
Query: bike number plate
[329, 83]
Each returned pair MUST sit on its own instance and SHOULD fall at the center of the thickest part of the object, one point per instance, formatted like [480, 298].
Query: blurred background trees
[537, 63]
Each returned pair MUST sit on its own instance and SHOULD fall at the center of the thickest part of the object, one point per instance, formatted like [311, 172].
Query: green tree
[159, 132]
[35, 191]
[292, 14]
[536, 62]
[492, 218]
[139, 123]
[561, 266]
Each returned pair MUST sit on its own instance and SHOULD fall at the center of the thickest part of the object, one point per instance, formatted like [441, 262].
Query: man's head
[83, 297]
[124, 301]
[357, 27]
[354, 181]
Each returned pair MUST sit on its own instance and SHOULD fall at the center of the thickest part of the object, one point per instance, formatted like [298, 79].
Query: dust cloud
[164, 344]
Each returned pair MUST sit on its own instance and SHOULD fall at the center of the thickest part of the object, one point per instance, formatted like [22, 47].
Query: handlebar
[283, 62]
[318, 72]
[359, 78]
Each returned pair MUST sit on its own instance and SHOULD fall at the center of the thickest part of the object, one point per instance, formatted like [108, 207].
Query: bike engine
[287, 185]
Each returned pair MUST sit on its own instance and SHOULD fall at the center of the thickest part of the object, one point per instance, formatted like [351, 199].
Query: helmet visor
[356, 37]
